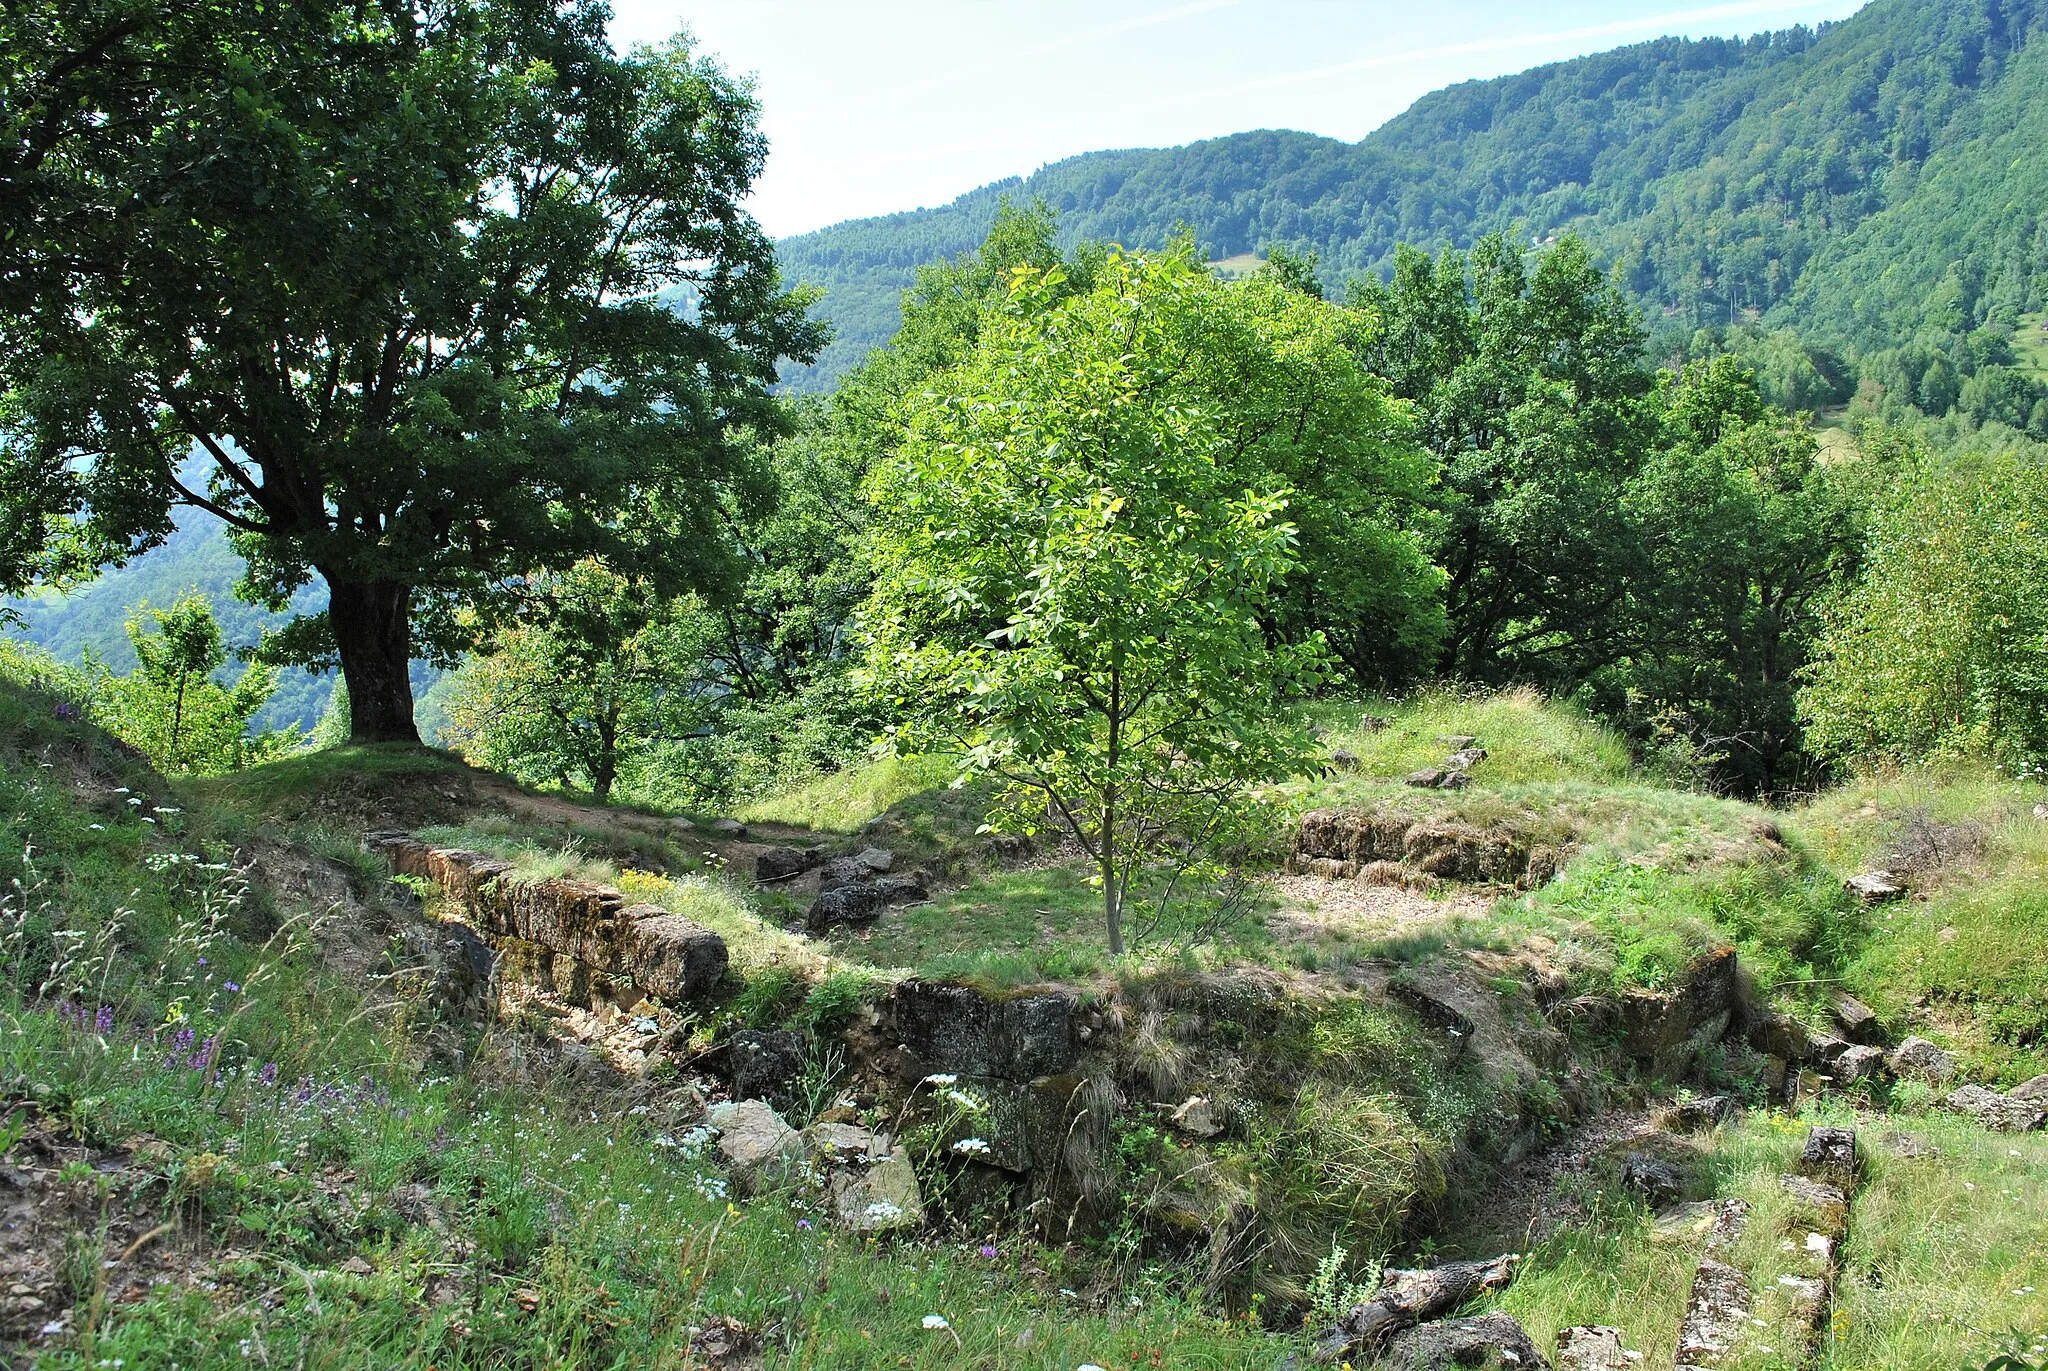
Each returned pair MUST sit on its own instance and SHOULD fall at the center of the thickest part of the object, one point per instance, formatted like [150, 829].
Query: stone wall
[1395, 848]
[578, 939]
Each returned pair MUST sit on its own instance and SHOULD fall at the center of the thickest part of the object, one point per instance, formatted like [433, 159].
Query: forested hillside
[1870, 181]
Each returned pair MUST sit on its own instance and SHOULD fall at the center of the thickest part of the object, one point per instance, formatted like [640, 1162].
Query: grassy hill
[1862, 181]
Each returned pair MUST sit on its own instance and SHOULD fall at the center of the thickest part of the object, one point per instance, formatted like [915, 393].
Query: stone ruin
[1387, 847]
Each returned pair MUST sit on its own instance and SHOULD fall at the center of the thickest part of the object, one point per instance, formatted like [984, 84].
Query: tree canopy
[443, 293]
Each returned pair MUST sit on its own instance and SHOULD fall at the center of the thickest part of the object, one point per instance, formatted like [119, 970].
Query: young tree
[173, 709]
[1077, 540]
[439, 290]
[1942, 645]
[590, 671]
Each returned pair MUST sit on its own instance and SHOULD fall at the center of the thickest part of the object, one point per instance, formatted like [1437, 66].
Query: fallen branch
[1406, 1298]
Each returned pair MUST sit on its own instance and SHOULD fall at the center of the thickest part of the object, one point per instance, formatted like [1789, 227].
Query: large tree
[409, 293]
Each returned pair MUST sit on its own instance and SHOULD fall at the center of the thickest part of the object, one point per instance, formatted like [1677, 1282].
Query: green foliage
[1076, 545]
[1942, 646]
[416, 369]
[173, 709]
[587, 672]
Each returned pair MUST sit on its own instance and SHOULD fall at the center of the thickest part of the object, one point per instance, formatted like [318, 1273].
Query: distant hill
[1868, 180]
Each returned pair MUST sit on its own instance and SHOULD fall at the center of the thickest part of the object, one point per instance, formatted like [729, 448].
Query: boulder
[1830, 1156]
[901, 890]
[1344, 760]
[765, 1064]
[758, 1148]
[673, 958]
[781, 863]
[1465, 759]
[876, 1198]
[1431, 1006]
[729, 828]
[1875, 887]
[1657, 1181]
[843, 871]
[876, 859]
[1817, 1205]
[858, 903]
[954, 1028]
[2033, 1089]
[1697, 1116]
[1429, 778]
[1857, 1020]
[1781, 1036]
[1999, 1113]
[1858, 1063]
[1716, 1315]
[1405, 1298]
[1592, 1347]
[1490, 1341]
[1917, 1057]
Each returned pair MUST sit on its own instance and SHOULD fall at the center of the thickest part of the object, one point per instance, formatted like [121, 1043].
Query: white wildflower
[942, 1078]
[935, 1322]
[971, 1147]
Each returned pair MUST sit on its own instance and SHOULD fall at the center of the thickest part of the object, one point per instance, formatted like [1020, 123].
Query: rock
[1592, 1348]
[1917, 1057]
[1999, 1113]
[1344, 760]
[1857, 1020]
[843, 871]
[1830, 1156]
[2041, 811]
[1457, 742]
[1716, 1314]
[1373, 723]
[1697, 1116]
[1469, 757]
[780, 863]
[953, 1028]
[356, 1266]
[1782, 1036]
[758, 1148]
[1874, 887]
[1858, 1063]
[1429, 778]
[1490, 1340]
[1196, 1116]
[844, 1144]
[1407, 1297]
[1454, 780]
[859, 903]
[729, 828]
[901, 890]
[1817, 1205]
[2034, 1089]
[1657, 1181]
[1824, 1048]
[765, 1064]
[674, 958]
[876, 859]
[876, 1198]
[1430, 1006]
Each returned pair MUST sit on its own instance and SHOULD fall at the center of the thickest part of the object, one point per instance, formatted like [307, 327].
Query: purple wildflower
[231, 987]
[803, 1223]
[66, 710]
[203, 1058]
[103, 1022]
[269, 1074]
[202, 961]
[987, 1250]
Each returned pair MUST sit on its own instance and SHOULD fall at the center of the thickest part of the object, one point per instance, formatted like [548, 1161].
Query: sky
[875, 106]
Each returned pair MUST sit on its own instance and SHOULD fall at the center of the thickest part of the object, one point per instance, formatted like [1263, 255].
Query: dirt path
[1312, 907]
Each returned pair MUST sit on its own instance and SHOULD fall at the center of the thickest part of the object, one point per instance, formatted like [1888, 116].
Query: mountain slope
[1832, 176]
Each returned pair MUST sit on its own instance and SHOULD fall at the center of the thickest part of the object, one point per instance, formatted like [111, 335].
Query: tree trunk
[372, 624]
[607, 769]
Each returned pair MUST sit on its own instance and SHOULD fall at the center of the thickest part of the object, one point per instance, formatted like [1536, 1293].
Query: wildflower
[804, 1224]
[1087, 1366]
[231, 987]
[103, 1022]
[966, 1101]
[935, 1322]
[942, 1078]
[882, 1211]
[97, 828]
[134, 799]
[269, 1073]
[972, 1147]
[988, 1250]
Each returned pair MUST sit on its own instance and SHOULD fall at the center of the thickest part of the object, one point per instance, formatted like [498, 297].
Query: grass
[1526, 737]
[846, 800]
[1946, 1254]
